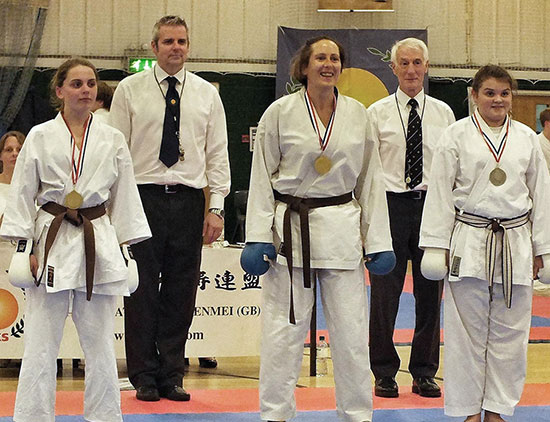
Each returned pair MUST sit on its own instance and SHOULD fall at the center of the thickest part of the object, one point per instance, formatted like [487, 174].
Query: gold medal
[73, 200]
[322, 164]
[497, 176]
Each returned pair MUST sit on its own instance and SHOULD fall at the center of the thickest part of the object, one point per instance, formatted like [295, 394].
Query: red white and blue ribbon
[323, 140]
[498, 149]
[77, 165]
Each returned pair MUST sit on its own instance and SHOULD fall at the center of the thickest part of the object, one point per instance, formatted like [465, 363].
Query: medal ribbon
[497, 152]
[323, 141]
[76, 166]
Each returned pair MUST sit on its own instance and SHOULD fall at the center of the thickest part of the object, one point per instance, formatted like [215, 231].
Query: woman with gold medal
[317, 198]
[486, 230]
[79, 174]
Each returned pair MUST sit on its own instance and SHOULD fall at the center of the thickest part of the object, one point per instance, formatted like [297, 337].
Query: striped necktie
[413, 158]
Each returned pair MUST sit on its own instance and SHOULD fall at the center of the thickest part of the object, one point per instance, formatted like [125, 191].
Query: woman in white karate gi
[73, 169]
[485, 228]
[312, 160]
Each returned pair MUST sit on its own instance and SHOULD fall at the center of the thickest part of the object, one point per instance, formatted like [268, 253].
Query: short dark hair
[61, 74]
[492, 71]
[301, 58]
[544, 117]
[104, 94]
[168, 20]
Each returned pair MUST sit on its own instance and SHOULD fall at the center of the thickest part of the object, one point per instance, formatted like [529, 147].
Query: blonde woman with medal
[79, 174]
[316, 206]
[485, 229]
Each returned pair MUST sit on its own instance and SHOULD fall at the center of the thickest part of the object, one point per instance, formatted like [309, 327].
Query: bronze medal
[73, 200]
[497, 176]
[322, 165]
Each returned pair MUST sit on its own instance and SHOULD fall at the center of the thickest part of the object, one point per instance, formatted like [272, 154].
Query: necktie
[413, 164]
[169, 148]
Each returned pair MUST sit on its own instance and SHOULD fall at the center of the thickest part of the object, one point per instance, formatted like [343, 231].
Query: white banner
[226, 321]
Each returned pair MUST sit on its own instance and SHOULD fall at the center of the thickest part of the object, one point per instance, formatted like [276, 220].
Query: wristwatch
[217, 211]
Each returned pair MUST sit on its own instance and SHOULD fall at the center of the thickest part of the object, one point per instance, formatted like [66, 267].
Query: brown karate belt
[302, 207]
[78, 217]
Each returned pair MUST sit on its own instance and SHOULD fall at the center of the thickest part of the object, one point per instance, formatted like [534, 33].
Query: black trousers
[158, 316]
[405, 217]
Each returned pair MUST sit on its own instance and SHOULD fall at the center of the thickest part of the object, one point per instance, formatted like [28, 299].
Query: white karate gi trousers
[485, 347]
[344, 299]
[45, 316]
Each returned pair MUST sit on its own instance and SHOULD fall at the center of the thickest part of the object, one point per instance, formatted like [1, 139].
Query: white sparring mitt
[434, 263]
[19, 273]
[544, 272]
[133, 275]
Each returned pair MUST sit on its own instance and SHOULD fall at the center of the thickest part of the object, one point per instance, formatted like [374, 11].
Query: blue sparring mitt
[380, 263]
[252, 257]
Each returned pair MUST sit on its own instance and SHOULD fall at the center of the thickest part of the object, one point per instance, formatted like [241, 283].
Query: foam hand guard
[133, 275]
[380, 263]
[255, 256]
[544, 272]
[19, 273]
[434, 263]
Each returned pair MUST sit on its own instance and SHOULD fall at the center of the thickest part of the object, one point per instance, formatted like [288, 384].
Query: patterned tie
[169, 148]
[413, 164]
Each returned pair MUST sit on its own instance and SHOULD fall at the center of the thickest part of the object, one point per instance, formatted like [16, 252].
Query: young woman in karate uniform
[78, 172]
[485, 228]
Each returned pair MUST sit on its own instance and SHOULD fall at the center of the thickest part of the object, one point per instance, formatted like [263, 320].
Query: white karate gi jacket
[43, 174]
[285, 150]
[461, 159]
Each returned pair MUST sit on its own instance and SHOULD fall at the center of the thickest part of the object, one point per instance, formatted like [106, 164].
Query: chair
[239, 200]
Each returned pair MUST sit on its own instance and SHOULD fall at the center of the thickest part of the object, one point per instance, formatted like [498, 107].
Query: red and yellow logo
[9, 309]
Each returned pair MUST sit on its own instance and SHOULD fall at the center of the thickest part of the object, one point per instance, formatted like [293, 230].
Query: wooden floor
[242, 372]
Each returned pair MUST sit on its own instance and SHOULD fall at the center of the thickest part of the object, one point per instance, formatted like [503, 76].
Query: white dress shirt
[138, 111]
[388, 119]
[545, 145]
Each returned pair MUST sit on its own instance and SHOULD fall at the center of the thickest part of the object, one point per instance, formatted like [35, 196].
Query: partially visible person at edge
[102, 103]
[79, 174]
[175, 158]
[541, 289]
[486, 229]
[406, 127]
[10, 145]
[312, 161]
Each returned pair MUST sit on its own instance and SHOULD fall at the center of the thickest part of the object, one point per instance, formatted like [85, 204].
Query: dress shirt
[138, 111]
[545, 145]
[388, 128]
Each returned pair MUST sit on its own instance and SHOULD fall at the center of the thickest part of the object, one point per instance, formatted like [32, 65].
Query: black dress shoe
[426, 387]
[386, 387]
[145, 393]
[208, 362]
[175, 393]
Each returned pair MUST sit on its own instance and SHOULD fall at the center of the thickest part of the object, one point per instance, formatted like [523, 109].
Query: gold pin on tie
[172, 101]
